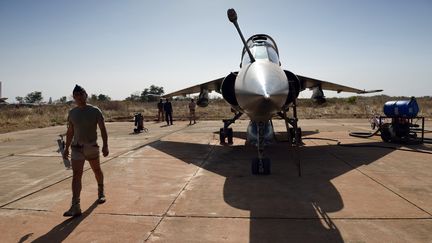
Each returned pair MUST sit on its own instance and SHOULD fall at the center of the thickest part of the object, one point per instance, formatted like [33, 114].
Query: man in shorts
[160, 107]
[192, 106]
[82, 137]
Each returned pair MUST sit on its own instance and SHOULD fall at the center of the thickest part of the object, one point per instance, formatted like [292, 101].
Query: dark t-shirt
[160, 106]
[168, 107]
[84, 121]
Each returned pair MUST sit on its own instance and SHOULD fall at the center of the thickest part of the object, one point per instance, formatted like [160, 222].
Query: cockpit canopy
[262, 47]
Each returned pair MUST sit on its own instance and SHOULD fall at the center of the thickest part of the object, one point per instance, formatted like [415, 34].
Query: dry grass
[355, 107]
[14, 118]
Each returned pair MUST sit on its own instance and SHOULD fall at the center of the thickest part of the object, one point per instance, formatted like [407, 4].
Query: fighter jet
[261, 89]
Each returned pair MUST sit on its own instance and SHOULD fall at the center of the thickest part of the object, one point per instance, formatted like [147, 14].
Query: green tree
[134, 97]
[156, 90]
[352, 100]
[102, 97]
[152, 93]
[62, 100]
[34, 97]
[19, 99]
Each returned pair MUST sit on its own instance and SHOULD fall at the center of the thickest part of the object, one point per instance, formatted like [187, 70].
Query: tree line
[150, 94]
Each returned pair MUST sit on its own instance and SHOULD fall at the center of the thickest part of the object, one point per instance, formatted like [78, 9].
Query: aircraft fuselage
[261, 87]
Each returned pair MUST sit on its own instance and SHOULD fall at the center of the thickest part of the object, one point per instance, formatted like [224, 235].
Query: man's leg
[171, 120]
[95, 165]
[190, 117]
[77, 168]
[167, 117]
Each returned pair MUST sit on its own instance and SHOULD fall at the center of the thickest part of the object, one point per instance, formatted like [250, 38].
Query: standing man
[160, 107]
[168, 112]
[82, 135]
[192, 106]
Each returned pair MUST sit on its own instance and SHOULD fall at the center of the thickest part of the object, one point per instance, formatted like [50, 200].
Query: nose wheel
[261, 165]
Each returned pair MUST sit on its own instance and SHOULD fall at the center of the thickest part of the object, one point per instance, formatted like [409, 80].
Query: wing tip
[370, 91]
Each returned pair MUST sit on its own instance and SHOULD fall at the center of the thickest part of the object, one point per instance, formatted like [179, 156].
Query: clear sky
[120, 47]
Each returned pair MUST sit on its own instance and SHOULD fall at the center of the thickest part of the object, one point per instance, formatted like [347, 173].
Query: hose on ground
[364, 134]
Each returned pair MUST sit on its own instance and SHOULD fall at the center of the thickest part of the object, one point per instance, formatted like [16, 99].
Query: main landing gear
[294, 134]
[226, 131]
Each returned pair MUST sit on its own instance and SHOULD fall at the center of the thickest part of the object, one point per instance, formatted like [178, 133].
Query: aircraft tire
[385, 133]
[221, 136]
[299, 132]
[255, 170]
[230, 136]
[266, 166]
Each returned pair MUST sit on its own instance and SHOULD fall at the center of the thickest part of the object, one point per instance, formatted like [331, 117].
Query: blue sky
[120, 47]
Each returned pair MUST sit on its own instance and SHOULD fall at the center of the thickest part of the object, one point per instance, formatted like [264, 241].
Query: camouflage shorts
[85, 152]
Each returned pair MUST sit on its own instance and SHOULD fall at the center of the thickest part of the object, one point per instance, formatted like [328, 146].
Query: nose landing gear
[261, 165]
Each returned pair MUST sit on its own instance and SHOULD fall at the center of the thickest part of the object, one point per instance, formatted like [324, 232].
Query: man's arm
[69, 136]
[104, 135]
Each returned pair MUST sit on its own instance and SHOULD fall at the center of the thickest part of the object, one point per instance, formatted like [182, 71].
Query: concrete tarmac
[177, 184]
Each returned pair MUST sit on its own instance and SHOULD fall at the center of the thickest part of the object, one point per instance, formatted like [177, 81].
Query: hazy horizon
[118, 48]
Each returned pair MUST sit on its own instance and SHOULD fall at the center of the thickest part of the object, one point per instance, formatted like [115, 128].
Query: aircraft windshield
[262, 47]
[260, 52]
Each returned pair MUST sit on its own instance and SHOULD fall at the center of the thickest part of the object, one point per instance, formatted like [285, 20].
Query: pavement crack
[85, 170]
[381, 184]
[131, 215]
[26, 209]
[298, 218]
[36, 155]
[165, 215]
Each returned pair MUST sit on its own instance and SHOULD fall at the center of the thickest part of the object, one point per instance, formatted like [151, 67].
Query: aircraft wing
[213, 85]
[311, 83]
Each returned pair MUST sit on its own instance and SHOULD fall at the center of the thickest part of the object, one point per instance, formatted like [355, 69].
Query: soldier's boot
[74, 210]
[101, 194]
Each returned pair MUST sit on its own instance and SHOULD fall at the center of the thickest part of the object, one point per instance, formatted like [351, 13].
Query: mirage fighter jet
[261, 89]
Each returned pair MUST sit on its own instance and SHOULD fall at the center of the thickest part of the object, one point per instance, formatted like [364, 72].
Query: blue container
[401, 108]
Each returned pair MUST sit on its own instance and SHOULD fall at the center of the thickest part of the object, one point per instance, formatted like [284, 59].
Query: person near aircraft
[192, 106]
[168, 112]
[82, 137]
[160, 107]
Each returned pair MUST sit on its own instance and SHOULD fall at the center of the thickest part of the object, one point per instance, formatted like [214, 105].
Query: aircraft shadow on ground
[61, 231]
[279, 135]
[283, 206]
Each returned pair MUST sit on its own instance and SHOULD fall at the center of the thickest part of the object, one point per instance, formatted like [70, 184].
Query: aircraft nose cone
[261, 90]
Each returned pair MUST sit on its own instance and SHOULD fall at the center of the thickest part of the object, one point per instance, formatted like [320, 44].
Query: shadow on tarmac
[60, 232]
[283, 206]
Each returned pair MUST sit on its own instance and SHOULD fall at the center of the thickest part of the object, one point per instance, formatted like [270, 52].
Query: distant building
[2, 99]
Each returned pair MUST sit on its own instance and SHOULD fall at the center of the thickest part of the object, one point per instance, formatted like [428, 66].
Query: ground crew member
[82, 135]
[160, 106]
[192, 106]
[168, 112]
